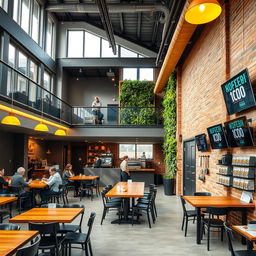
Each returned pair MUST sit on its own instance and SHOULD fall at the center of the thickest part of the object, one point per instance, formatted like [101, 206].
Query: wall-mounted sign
[239, 134]
[201, 142]
[238, 93]
[217, 137]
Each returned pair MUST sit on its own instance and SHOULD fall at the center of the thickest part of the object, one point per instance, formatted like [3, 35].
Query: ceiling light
[11, 119]
[80, 70]
[41, 127]
[203, 11]
[113, 79]
[60, 132]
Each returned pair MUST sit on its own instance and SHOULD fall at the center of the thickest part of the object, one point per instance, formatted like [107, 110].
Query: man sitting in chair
[53, 182]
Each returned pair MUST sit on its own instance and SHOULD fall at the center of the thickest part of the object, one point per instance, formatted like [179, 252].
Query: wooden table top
[37, 184]
[5, 200]
[84, 177]
[242, 231]
[216, 201]
[11, 240]
[128, 189]
[44, 215]
[142, 170]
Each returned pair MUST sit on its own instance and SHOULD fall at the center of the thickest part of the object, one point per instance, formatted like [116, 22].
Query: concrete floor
[164, 238]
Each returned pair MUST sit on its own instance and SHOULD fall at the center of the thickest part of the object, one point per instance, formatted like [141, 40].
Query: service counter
[110, 176]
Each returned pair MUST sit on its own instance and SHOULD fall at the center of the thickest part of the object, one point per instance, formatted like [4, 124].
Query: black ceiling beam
[121, 19]
[139, 22]
[155, 30]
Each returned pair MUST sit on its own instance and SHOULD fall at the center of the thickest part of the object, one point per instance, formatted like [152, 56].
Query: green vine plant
[169, 117]
[135, 93]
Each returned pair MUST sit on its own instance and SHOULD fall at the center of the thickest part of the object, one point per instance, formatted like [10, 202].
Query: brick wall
[225, 47]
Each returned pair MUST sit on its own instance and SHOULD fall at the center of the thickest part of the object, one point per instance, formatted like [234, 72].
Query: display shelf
[224, 174]
[251, 190]
[224, 184]
[241, 177]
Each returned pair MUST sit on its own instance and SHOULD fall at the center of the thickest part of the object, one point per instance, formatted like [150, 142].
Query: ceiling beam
[139, 22]
[121, 19]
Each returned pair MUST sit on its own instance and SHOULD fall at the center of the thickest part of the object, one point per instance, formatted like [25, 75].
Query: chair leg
[149, 223]
[90, 248]
[186, 226]
[183, 222]
[103, 215]
[153, 214]
[194, 219]
[154, 205]
[86, 250]
[132, 215]
[222, 234]
[208, 239]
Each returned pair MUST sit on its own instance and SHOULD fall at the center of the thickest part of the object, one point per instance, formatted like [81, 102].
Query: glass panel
[25, 15]
[92, 45]
[4, 4]
[47, 81]
[127, 150]
[1, 3]
[145, 148]
[146, 74]
[22, 63]
[49, 37]
[125, 53]
[33, 68]
[75, 44]
[35, 21]
[16, 10]
[107, 50]
[130, 74]
[11, 55]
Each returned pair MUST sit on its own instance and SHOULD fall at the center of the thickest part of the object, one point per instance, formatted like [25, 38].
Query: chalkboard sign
[217, 137]
[201, 142]
[238, 133]
[238, 93]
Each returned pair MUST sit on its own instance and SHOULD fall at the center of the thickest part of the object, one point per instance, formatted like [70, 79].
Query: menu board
[238, 93]
[217, 137]
[238, 133]
[201, 142]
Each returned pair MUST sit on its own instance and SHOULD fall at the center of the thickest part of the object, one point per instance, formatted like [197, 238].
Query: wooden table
[45, 215]
[127, 190]
[242, 230]
[35, 185]
[83, 177]
[11, 240]
[234, 204]
[6, 200]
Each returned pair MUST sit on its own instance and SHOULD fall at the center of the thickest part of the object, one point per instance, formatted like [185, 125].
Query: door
[189, 167]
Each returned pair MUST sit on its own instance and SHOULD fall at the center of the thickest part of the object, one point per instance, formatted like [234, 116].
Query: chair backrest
[76, 206]
[45, 228]
[31, 250]
[7, 195]
[9, 226]
[90, 224]
[219, 211]
[202, 194]
[252, 222]
[229, 234]
[50, 205]
[183, 203]
[16, 189]
[103, 196]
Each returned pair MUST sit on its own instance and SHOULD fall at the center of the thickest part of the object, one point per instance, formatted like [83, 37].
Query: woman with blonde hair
[68, 173]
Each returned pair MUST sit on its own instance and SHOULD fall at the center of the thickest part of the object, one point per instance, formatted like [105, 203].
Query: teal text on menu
[215, 129]
[236, 124]
[235, 83]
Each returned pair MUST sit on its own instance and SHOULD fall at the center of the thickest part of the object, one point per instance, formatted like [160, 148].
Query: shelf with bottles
[225, 170]
[244, 184]
[244, 172]
[244, 161]
[225, 180]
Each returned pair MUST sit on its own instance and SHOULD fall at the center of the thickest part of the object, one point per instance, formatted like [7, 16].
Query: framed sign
[217, 137]
[239, 134]
[238, 93]
[201, 142]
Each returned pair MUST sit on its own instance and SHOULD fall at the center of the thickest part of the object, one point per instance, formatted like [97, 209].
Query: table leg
[244, 222]
[198, 225]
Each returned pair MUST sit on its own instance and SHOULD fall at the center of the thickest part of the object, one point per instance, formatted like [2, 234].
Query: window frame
[75, 30]
[136, 150]
[51, 19]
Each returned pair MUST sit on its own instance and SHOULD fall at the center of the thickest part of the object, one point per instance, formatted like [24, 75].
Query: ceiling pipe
[112, 8]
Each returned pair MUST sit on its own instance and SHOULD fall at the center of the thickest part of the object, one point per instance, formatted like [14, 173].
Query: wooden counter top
[141, 170]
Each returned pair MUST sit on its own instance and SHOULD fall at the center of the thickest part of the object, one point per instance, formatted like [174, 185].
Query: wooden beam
[180, 39]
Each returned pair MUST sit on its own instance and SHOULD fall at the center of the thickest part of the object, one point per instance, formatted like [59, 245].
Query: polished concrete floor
[164, 238]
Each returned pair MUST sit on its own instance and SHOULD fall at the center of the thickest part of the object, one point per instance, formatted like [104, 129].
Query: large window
[130, 74]
[138, 74]
[136, 151]
[75, 44]
[27, 14]
[4, 4]
[92, 46]
[125, 53]
[146, 74]
[50, 37]
[106, 50]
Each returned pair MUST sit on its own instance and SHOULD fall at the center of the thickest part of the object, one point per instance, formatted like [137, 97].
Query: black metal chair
[49, 238]
[18, 191]
[57, 196]
[86, 189]
[145, 207]
[73, 238]
[110, 205]
[5, 212]
[187, 215]
[96, 186]
[212, 222]
[9, 226]
[31, 250]
[229, 234]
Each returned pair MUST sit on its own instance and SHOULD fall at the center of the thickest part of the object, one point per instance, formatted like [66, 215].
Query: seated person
[18, 181]
[3, 182]
[98, 162]
[53, 182]
[67, 173]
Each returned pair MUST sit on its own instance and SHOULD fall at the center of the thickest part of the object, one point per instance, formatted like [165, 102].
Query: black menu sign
[238, 133]
[238, 93]
[201, 142]
[217, 137]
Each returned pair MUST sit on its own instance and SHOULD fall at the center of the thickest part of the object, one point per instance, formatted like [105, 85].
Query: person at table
[3, 182]
[18, 181]
[125, 174]
[98, 162]
[53, 182]
[68, 173]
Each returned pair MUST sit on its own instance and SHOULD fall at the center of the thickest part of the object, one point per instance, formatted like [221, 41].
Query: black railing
[21, 89]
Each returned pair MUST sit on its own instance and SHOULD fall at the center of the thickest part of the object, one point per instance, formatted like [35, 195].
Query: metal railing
[22, 90]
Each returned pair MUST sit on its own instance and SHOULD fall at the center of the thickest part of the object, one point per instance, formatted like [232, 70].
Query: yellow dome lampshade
[60, 132]
[11, 119]
[203, 11]
[41, 127]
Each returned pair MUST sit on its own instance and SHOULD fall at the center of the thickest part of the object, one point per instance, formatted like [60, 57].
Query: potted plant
[168, 181]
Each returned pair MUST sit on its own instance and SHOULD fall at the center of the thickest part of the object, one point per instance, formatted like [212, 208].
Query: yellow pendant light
[11, 119]
[203, 11]
[41, 127]
[60, 132]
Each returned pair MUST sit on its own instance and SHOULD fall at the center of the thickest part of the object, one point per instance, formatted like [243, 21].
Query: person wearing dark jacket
[3, 182]
[98, 162]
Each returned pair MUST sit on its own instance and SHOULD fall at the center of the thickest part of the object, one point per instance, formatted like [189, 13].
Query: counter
[110, 176]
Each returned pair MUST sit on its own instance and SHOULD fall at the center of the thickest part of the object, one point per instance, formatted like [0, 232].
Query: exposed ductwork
[112, 8]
